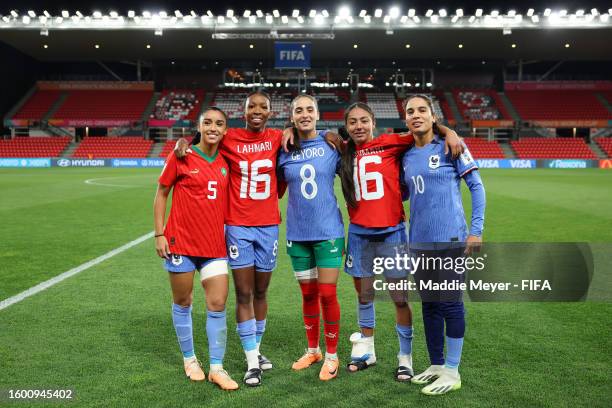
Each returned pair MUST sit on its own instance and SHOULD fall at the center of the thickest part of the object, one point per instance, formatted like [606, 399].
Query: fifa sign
[291, 55]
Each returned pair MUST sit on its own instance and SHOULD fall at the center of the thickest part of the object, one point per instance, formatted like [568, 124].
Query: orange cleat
[223, 380]
[329, 369]
[307, 360]
[194, 371]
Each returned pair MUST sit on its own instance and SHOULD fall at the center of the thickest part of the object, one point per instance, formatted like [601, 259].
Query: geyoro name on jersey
[308, 153]
[254, 147]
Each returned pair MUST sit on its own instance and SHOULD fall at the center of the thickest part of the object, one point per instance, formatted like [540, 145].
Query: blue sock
[433, 323]
[260, 328]
[453, 352]
[181, 318]
[367, 316]
[216, 331]
[246, 331]
[404, 333]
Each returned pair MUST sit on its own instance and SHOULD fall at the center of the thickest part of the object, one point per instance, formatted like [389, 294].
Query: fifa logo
[293, 55]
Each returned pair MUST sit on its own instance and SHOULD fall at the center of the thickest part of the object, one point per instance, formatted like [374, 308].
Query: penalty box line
[63, 276]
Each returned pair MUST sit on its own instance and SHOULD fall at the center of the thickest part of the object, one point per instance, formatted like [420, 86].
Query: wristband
[159, 235]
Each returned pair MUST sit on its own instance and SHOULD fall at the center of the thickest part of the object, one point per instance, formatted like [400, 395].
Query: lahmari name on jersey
[254, 147]
[307, 153]
[372, 150]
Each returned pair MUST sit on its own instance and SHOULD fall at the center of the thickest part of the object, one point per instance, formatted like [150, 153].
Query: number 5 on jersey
[250, 188]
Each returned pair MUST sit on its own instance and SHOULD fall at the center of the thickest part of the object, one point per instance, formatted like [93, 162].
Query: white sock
[314, 350]
[452, 371]
[216, 367]
[405, 360]
[258, 353]
[331, 356]
[252, 358]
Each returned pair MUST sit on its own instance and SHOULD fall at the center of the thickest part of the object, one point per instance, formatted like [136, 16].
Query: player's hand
[335, 141]
[181, 147]
[162, 248]
[287, 138]
[453, 143]
[472, 244]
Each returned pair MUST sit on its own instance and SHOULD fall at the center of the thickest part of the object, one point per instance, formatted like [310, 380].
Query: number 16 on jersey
[249, 189]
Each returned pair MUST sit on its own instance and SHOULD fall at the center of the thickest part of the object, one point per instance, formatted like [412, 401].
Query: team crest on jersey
[223, 171]
[233, 251]
[466, 157]
[434, 161]
[177, 260]
[349, 261]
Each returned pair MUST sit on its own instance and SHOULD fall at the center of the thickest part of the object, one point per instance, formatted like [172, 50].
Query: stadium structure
[520, 84]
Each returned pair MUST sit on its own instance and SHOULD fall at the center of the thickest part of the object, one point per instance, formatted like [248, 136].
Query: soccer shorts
[252, 246]
[362, 249]
[208, 267]
[306, 256]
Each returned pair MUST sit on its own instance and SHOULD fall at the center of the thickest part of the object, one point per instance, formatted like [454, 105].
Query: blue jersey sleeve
[474, 183]
[465, 163]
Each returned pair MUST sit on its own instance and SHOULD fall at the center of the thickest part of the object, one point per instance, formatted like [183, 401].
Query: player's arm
[452, 141]
[477, 191]
[159, 215]
[181, 147]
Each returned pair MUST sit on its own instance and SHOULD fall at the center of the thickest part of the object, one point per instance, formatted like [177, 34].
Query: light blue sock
[453, 352]
[366, 314]
[260, 328]
[246, 331]
[181, 318]
[216, 331]
[404, 333]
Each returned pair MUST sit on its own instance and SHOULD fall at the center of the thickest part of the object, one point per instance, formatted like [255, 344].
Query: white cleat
[429, 375]
[449, 380]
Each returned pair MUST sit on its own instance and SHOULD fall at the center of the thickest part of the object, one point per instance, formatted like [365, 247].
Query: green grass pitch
[107, 332]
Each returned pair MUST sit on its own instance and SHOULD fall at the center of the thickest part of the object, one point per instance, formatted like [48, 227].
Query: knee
[260, 294]
[244, 296]
[215, 304]
[183, 300]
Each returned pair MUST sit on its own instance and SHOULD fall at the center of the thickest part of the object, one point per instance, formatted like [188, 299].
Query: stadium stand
[552, 148]
[558, 105]
[443, 106]
[169, 146]
[384, 105]
[37, 105]
[331, 104]
[178, 105]
[109, 147]
[605, 143]
[103, 104]
[481, 104]
[33, 146]
[484, 149]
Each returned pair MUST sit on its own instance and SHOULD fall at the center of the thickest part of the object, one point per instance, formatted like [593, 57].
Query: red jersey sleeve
[169, 173]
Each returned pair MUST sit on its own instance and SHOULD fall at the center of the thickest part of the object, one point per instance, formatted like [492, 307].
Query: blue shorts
[186, 263]
[252, 246]
[362, 249]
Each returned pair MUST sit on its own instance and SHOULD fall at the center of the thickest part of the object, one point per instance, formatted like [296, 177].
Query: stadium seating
[33, 146]
[484, 149]
[479, 104]
[178, 105]
[332, 104]
[605, 143]
[169, 146]
[384, 105]
[552, 148]
[37, 105]
[558, 105]
[103, 104]
[109, 147]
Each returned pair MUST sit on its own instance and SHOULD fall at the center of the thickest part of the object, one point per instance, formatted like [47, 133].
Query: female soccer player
[371, 187]
[252, 222]
[436, 216]
[193, 239]
[315, 232]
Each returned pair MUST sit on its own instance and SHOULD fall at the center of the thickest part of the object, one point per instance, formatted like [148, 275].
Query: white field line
[94, 182]
[59, 278]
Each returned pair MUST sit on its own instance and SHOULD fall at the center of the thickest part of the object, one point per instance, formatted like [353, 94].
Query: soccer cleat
[193, 370]
[307, 360]
[223, 380]
[449, 380]
[429, 375]
[264, 363]
[329, 369]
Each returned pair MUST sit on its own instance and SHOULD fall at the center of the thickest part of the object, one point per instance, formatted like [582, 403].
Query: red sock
[310, 307]
[331, 315]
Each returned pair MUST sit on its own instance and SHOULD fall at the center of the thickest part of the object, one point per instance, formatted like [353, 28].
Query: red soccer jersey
[199, 202]
[377, 182]
[251, 157]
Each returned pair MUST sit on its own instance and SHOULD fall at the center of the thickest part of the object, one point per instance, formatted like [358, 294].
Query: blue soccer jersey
[312, 208]
[434, 183]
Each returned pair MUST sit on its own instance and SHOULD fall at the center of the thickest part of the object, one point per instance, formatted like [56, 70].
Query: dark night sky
[87, 6]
